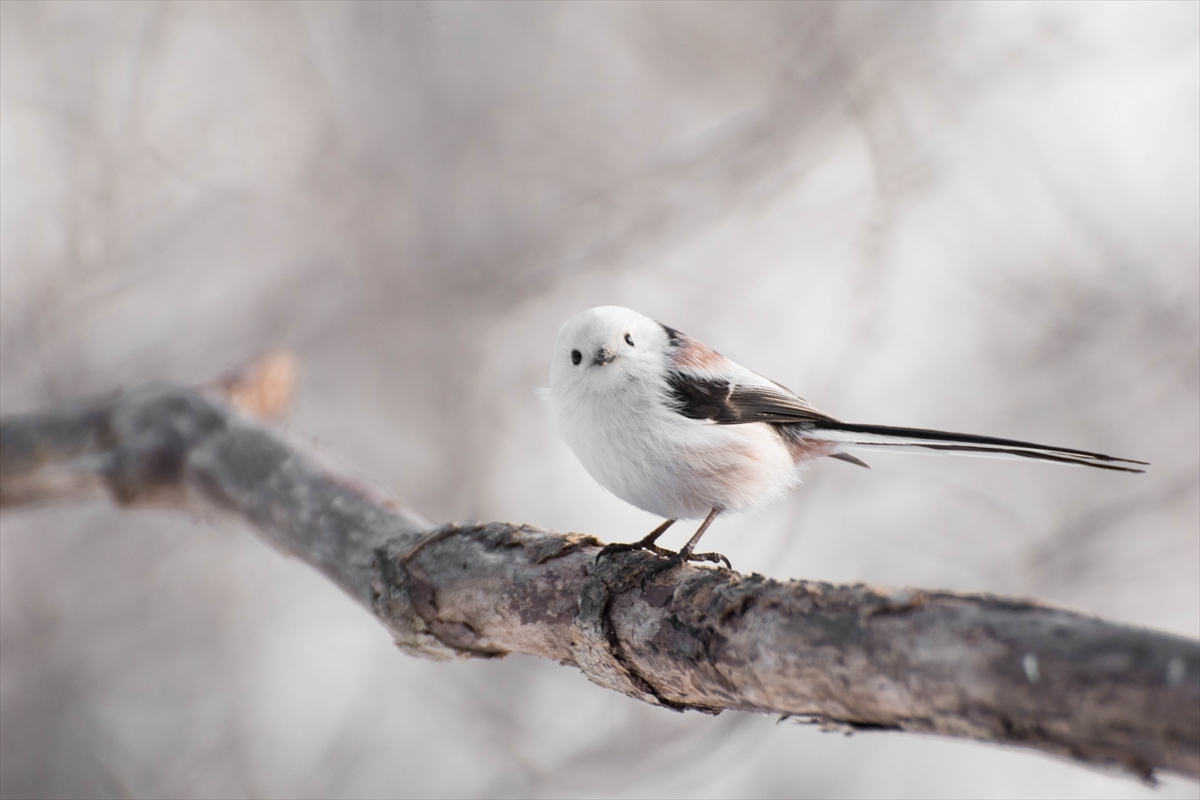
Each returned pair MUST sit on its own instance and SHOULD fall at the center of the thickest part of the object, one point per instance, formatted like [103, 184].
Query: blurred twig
[847, 657]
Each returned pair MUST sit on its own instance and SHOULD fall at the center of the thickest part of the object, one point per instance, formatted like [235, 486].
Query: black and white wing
[703, 384]
[728, 402]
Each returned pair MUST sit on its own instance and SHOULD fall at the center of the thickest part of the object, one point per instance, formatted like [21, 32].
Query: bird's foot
[675, 560]
[641, 544]
[715, 558]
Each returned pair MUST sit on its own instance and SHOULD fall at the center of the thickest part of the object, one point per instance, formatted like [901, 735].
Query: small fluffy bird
[675, 428]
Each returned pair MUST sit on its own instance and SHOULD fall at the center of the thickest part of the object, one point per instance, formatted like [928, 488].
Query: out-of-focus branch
[847, 657]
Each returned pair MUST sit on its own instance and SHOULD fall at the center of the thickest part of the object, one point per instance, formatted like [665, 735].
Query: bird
[676, 429]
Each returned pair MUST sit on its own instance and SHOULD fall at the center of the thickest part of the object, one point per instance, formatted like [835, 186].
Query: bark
[847, 657]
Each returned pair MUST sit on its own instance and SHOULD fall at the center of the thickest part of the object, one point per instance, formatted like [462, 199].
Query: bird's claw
[715, 558]
[641, 544]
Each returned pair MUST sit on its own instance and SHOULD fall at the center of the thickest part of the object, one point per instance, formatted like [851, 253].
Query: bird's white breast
[631, 441]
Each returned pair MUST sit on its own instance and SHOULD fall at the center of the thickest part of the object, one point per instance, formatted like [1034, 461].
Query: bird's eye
[629, 340]
[576, 357]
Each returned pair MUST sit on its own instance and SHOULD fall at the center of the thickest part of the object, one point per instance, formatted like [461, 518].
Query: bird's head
[606, 349]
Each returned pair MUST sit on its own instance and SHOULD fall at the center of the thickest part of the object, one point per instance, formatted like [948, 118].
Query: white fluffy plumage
[619, 419]
[675, 428]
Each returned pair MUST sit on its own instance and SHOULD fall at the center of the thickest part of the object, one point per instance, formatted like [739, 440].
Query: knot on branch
[157, 427]
[135, 446]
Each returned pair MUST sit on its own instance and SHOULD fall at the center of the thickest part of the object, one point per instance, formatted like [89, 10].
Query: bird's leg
[647, 542]
[688, 554]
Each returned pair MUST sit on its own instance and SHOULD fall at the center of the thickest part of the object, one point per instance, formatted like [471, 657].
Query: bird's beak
[604, 355]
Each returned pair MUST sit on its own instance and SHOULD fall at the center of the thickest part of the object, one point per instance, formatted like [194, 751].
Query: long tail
[919, 440]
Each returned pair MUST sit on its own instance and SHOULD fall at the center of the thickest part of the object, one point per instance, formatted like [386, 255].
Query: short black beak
[604, 356]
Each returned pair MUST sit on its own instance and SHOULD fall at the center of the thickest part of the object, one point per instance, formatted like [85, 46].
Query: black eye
[629, 340]
[576, 356]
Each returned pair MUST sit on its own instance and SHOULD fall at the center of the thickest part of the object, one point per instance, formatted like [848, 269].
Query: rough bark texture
[847, 657]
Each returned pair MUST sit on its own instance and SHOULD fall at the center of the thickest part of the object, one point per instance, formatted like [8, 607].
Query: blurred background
[978, 216]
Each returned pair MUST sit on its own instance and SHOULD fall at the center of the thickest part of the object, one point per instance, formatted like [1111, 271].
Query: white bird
[676, 429]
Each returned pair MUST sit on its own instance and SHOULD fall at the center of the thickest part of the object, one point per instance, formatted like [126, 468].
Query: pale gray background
[982, 217]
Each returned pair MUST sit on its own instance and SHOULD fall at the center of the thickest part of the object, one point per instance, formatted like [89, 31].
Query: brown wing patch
[690, 353]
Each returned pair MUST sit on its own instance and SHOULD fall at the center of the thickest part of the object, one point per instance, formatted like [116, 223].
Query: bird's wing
[727, 402]
[704, 385]
[731, 401]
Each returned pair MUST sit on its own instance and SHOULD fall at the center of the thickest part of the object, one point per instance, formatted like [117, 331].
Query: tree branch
[848, 657]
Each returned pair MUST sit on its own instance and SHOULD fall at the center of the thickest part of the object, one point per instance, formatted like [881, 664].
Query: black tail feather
[885, 436]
